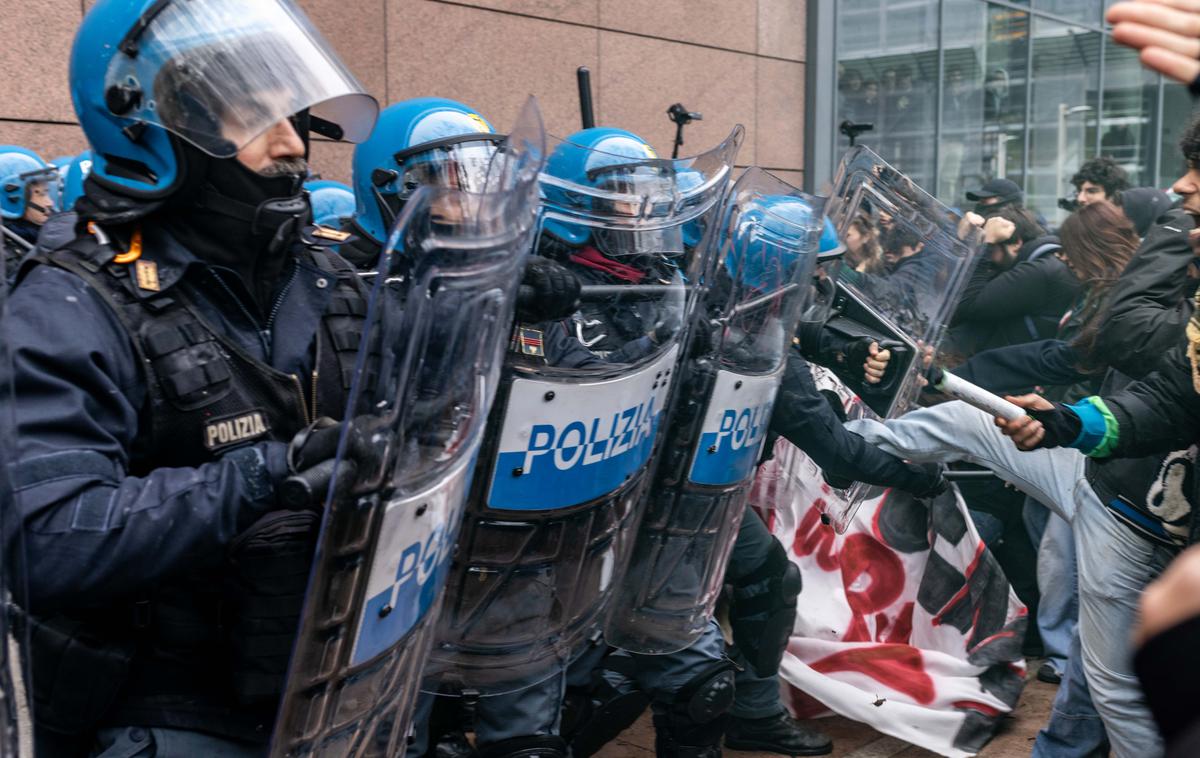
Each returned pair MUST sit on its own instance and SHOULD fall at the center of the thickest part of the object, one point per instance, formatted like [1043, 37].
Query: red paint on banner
[864, 557]
[816, 539]
[901, 633]
[900, 667]
[858, 631]
[964, 591]
[971, 705]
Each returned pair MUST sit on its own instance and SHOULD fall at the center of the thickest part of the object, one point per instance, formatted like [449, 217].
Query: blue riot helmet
[424, 141]
[830, 250]
[768, 239]
[77, 171]
[216, 73]
[331, 202]
[27, 183]
[831, 247]
[579, 160]
[615, 167]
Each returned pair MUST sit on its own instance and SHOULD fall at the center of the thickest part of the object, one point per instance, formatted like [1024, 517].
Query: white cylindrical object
[979, 397]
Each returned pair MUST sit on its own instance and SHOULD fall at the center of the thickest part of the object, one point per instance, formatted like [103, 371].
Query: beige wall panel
[491, 61]
[575, 11]
[640, 78]
[782, 29]
[35, 57]
[47, 140]
[794, 178]
[355, 28]
[728, 24]
[779, 139]
[332, 160]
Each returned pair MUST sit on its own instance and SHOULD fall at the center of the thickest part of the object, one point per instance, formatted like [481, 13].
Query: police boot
[544, 746]
[776, 734]
[594, 715]
[764, 610]
[692, 724]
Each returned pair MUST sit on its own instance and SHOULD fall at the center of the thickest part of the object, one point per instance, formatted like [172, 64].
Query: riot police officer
[438, 142]
[28, 195]
[690, 690]
[166, 357]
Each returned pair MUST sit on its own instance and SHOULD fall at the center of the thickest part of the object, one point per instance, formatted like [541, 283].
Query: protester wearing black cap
[996, 194]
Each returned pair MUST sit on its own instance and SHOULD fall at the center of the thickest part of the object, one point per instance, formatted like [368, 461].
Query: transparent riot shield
[904, 300]
[16, 722]
[579, 418]
[427, 370]
[761, 281]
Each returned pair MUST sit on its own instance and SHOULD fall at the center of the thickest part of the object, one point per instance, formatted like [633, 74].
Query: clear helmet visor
[220, 72]
[617, 243]
[638, 191]
[462, 166]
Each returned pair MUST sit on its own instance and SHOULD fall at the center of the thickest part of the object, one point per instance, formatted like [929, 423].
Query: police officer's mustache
[285, 167]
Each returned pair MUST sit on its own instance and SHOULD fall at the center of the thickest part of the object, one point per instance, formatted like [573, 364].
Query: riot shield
[907, 297]
[16, 723]
[579, 416]
[426, 373]
[903, 301]
[761, 281]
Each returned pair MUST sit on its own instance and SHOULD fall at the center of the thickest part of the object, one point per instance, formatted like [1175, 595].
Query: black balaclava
[231, 216]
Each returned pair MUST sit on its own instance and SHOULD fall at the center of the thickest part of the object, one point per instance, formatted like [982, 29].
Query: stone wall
[735, 61]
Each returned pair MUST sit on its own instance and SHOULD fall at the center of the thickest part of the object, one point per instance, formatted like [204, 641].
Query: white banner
[906, 622]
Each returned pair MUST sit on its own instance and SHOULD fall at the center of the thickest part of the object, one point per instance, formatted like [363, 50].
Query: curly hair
[1189, 143]
[1105, 172]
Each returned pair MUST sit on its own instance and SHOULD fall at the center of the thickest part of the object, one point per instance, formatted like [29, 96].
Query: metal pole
[1060, 158]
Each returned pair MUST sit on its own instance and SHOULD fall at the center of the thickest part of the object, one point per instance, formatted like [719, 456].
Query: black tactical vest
[204, 394]
[167, 659]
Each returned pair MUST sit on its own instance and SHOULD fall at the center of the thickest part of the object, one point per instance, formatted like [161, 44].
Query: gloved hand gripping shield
[581, 410]
[760, 283]
[427, 370]
[907, 305]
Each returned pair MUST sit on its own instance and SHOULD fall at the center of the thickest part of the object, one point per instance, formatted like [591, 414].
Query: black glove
[667, 327]
[1062, 426]
[703, 338]
[837, 482]
[926, 481]
[312, 461]
[549, 291]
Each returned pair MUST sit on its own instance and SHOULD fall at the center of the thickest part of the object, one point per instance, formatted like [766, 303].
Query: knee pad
[543, 746]
[707, 696]
[692, 724]
[594, 715]
[764, 610]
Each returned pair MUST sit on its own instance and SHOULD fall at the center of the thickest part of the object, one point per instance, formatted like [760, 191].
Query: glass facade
[961, 91]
